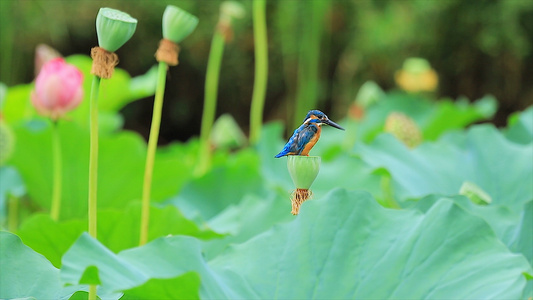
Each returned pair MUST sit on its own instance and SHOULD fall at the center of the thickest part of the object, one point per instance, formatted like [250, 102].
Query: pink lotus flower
[58, 89]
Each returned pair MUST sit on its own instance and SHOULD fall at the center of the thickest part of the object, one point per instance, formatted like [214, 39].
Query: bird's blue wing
[304, 136]
[290, 146]
[298, 140]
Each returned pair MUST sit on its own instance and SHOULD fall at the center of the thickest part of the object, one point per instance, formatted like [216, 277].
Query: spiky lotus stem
[303, 171]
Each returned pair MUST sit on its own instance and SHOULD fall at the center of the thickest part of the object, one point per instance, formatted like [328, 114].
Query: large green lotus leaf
[520, 127]
[480, 155]
[27, 274]
[117, 230]
[225, 184]
[50, 238]
[133, 270]
[448, 114]
[120, 230]
[119, 154]
[521, 239]
[341, 246]
[182, 287]
[107, 269]
[81, 295]
[346, 171]
[17, 104]
[248, 218]
[513, 229]
[346, 246]
[173, 168]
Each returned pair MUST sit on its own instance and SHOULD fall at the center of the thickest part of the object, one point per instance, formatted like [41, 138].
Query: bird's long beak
[333, 124]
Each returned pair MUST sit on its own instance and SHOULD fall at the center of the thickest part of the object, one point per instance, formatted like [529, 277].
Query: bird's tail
[282, 153]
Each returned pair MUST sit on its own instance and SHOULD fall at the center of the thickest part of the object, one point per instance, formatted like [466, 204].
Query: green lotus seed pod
[403, 128]
[475, 193]
[114, 28]
[177, 23]
[416, 65]
[303, 170]
[7, 142]
[230, 10]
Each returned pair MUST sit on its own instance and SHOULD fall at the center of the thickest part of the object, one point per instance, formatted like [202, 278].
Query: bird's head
[320, 118]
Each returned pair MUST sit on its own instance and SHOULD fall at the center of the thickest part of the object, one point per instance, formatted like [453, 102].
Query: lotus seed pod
[114, 28]
[404, 129]
[416, 76]
[230, 10]
[475, 193]
[303, 170]
[177, 23]
[7, 142]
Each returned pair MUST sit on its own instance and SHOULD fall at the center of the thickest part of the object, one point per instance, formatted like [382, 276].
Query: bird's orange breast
[312, 142]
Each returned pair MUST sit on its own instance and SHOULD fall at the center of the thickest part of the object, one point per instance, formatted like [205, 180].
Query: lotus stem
[12, 213]
[92, 292]
[261, 70]
[152, 147]
[93, 155]
[93, 166]
[210, 100]
[388, 197]
[57, 161]
[177, 24]
[113, 28]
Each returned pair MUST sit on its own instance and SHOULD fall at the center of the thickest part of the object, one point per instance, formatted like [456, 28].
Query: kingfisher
[306, 136]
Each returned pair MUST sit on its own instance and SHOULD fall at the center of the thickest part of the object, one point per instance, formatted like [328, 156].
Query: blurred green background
[476, 47]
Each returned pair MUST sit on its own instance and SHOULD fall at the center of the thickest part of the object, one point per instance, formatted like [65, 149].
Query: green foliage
[385, 221]
[27, 274]
[117, 229]
[387, 253]
[185, 286]
[346, 246]
[443, 166]
[521, 127]
[116, 92]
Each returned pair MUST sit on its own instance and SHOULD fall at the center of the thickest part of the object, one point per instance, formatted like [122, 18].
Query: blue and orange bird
[306, 136]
